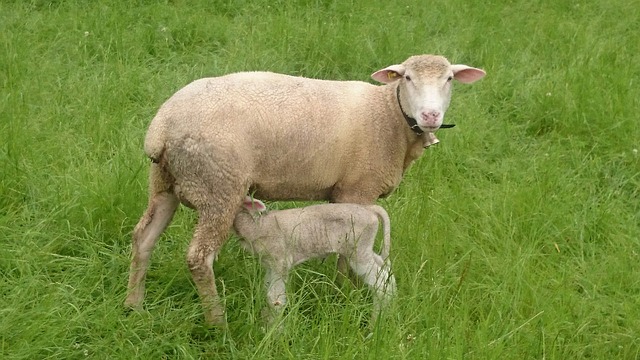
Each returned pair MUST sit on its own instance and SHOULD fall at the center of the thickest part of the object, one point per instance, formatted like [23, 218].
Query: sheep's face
[425, 86]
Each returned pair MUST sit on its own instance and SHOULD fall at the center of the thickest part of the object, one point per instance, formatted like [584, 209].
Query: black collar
[413, 124]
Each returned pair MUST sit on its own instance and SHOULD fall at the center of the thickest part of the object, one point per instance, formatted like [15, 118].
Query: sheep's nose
[431, 117]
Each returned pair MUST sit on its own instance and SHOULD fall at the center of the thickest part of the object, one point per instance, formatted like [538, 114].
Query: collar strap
[413, 124]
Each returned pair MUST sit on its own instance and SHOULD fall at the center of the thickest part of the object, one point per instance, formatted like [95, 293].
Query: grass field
[517, 237]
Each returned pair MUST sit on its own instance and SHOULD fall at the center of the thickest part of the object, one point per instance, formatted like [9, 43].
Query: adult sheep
[282, 137]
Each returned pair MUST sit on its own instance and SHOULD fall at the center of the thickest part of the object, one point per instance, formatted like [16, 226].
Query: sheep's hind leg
[209, 236]
[213, 181]
[215, 216]
[162, 206]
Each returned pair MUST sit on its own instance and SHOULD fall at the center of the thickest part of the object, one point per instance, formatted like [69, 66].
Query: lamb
[285, 238]
[282, 137]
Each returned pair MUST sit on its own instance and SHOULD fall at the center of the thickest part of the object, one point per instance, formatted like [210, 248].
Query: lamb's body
[281, 137]
[285, 238]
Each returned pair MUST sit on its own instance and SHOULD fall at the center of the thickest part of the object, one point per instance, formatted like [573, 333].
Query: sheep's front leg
[275, 283]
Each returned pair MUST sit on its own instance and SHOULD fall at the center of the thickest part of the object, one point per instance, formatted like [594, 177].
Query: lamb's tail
[386, 229]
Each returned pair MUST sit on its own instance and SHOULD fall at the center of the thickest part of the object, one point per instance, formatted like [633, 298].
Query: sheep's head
[424, 86]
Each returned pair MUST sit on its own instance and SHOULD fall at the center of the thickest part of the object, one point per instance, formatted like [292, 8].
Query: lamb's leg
[379, 278]
[162, 206]
[354, 194]
[275, 283]
[345, 274]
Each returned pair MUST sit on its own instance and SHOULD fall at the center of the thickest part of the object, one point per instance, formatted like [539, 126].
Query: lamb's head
[424, 86]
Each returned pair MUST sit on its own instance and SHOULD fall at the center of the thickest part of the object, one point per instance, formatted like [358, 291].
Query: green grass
[517, 237]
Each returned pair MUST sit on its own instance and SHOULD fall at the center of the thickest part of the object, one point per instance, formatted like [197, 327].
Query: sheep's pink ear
[389, 74]
[252, 204]
[467, 74]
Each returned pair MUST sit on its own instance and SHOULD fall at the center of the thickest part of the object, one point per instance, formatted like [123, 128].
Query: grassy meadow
[516, 237]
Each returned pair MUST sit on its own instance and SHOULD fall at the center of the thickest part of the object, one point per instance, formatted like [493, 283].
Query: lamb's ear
[247, 203]
[467, 74]
[389, 74]
[252, 204]
[259, 205]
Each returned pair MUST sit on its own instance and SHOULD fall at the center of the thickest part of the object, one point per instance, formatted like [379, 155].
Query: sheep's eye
[450, 78]
[408, 77]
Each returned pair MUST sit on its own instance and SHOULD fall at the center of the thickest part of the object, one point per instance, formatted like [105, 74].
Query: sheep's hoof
[207, 333]
[133, 301]
[135, 312]
[215, 319]
[133, 306]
